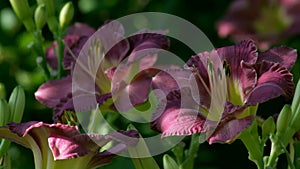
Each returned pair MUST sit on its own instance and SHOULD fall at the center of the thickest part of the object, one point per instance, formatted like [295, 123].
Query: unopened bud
[66, 15]
[296, 108]
[22, 10]
[268, 127]
[17, 104]
[283, 120]
[49, 6]
[40, 16]
[4, 112]
[169, 162]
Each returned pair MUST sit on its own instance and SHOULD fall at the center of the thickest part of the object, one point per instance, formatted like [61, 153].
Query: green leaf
[178, 151]
[141, 150]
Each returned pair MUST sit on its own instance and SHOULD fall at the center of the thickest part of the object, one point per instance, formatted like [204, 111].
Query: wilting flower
[227, 100]
[61, 146]
[267, 22]
[108, 48]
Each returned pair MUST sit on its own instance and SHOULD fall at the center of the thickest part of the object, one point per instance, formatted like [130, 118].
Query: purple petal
[273, 80]
[180, 116]
[207, 68]
[148, 40]
[114, 43]
[65, 147]
[137, 91]
[80, 29]
[58, 94]
[176, 121]
[283, 55]
[35, 128]
[66, 142]
[69, 59]
[248, 78]
[239, 59]
[244, 51]
[55, 92]
[228, 131]
[200, 63]
[50, 51]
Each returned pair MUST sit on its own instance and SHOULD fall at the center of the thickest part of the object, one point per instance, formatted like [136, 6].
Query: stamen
[195, 70]
[93, 64]
[69, 118]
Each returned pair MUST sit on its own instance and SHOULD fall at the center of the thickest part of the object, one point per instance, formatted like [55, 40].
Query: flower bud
[4, 112]
[66, 15]
[17, 104]
[283, 120]
[51, 18]
[268, 127]
[49, 6]
[169, 162]
[40, 16]
[22, 10]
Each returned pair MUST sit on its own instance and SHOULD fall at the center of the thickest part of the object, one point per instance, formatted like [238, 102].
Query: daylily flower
[62, 146]
[109, 38]
[227, 98]
[267, 22]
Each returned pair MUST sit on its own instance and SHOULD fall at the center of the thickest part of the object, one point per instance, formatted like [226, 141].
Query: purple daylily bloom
[267, 22]
[62, 146]
[228, 98]
[58, 94]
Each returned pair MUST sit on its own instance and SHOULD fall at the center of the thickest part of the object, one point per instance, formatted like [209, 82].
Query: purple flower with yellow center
[63, 146]
[108, 48]
[231, 82]
[266, 22]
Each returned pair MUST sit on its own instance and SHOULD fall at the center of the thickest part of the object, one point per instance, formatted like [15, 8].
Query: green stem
[192, 152]
[60, 53]
[278, 145]
[275, 152]
[4, 146]
[253, 147]
[292, 153]
[38, 43]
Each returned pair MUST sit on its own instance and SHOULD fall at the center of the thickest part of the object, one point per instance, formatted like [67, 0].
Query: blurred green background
[18, 66]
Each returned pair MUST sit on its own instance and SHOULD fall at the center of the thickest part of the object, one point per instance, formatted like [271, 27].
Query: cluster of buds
[286, 127]
[44, 13]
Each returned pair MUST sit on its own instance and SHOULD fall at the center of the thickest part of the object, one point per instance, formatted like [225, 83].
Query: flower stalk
[251, 141]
